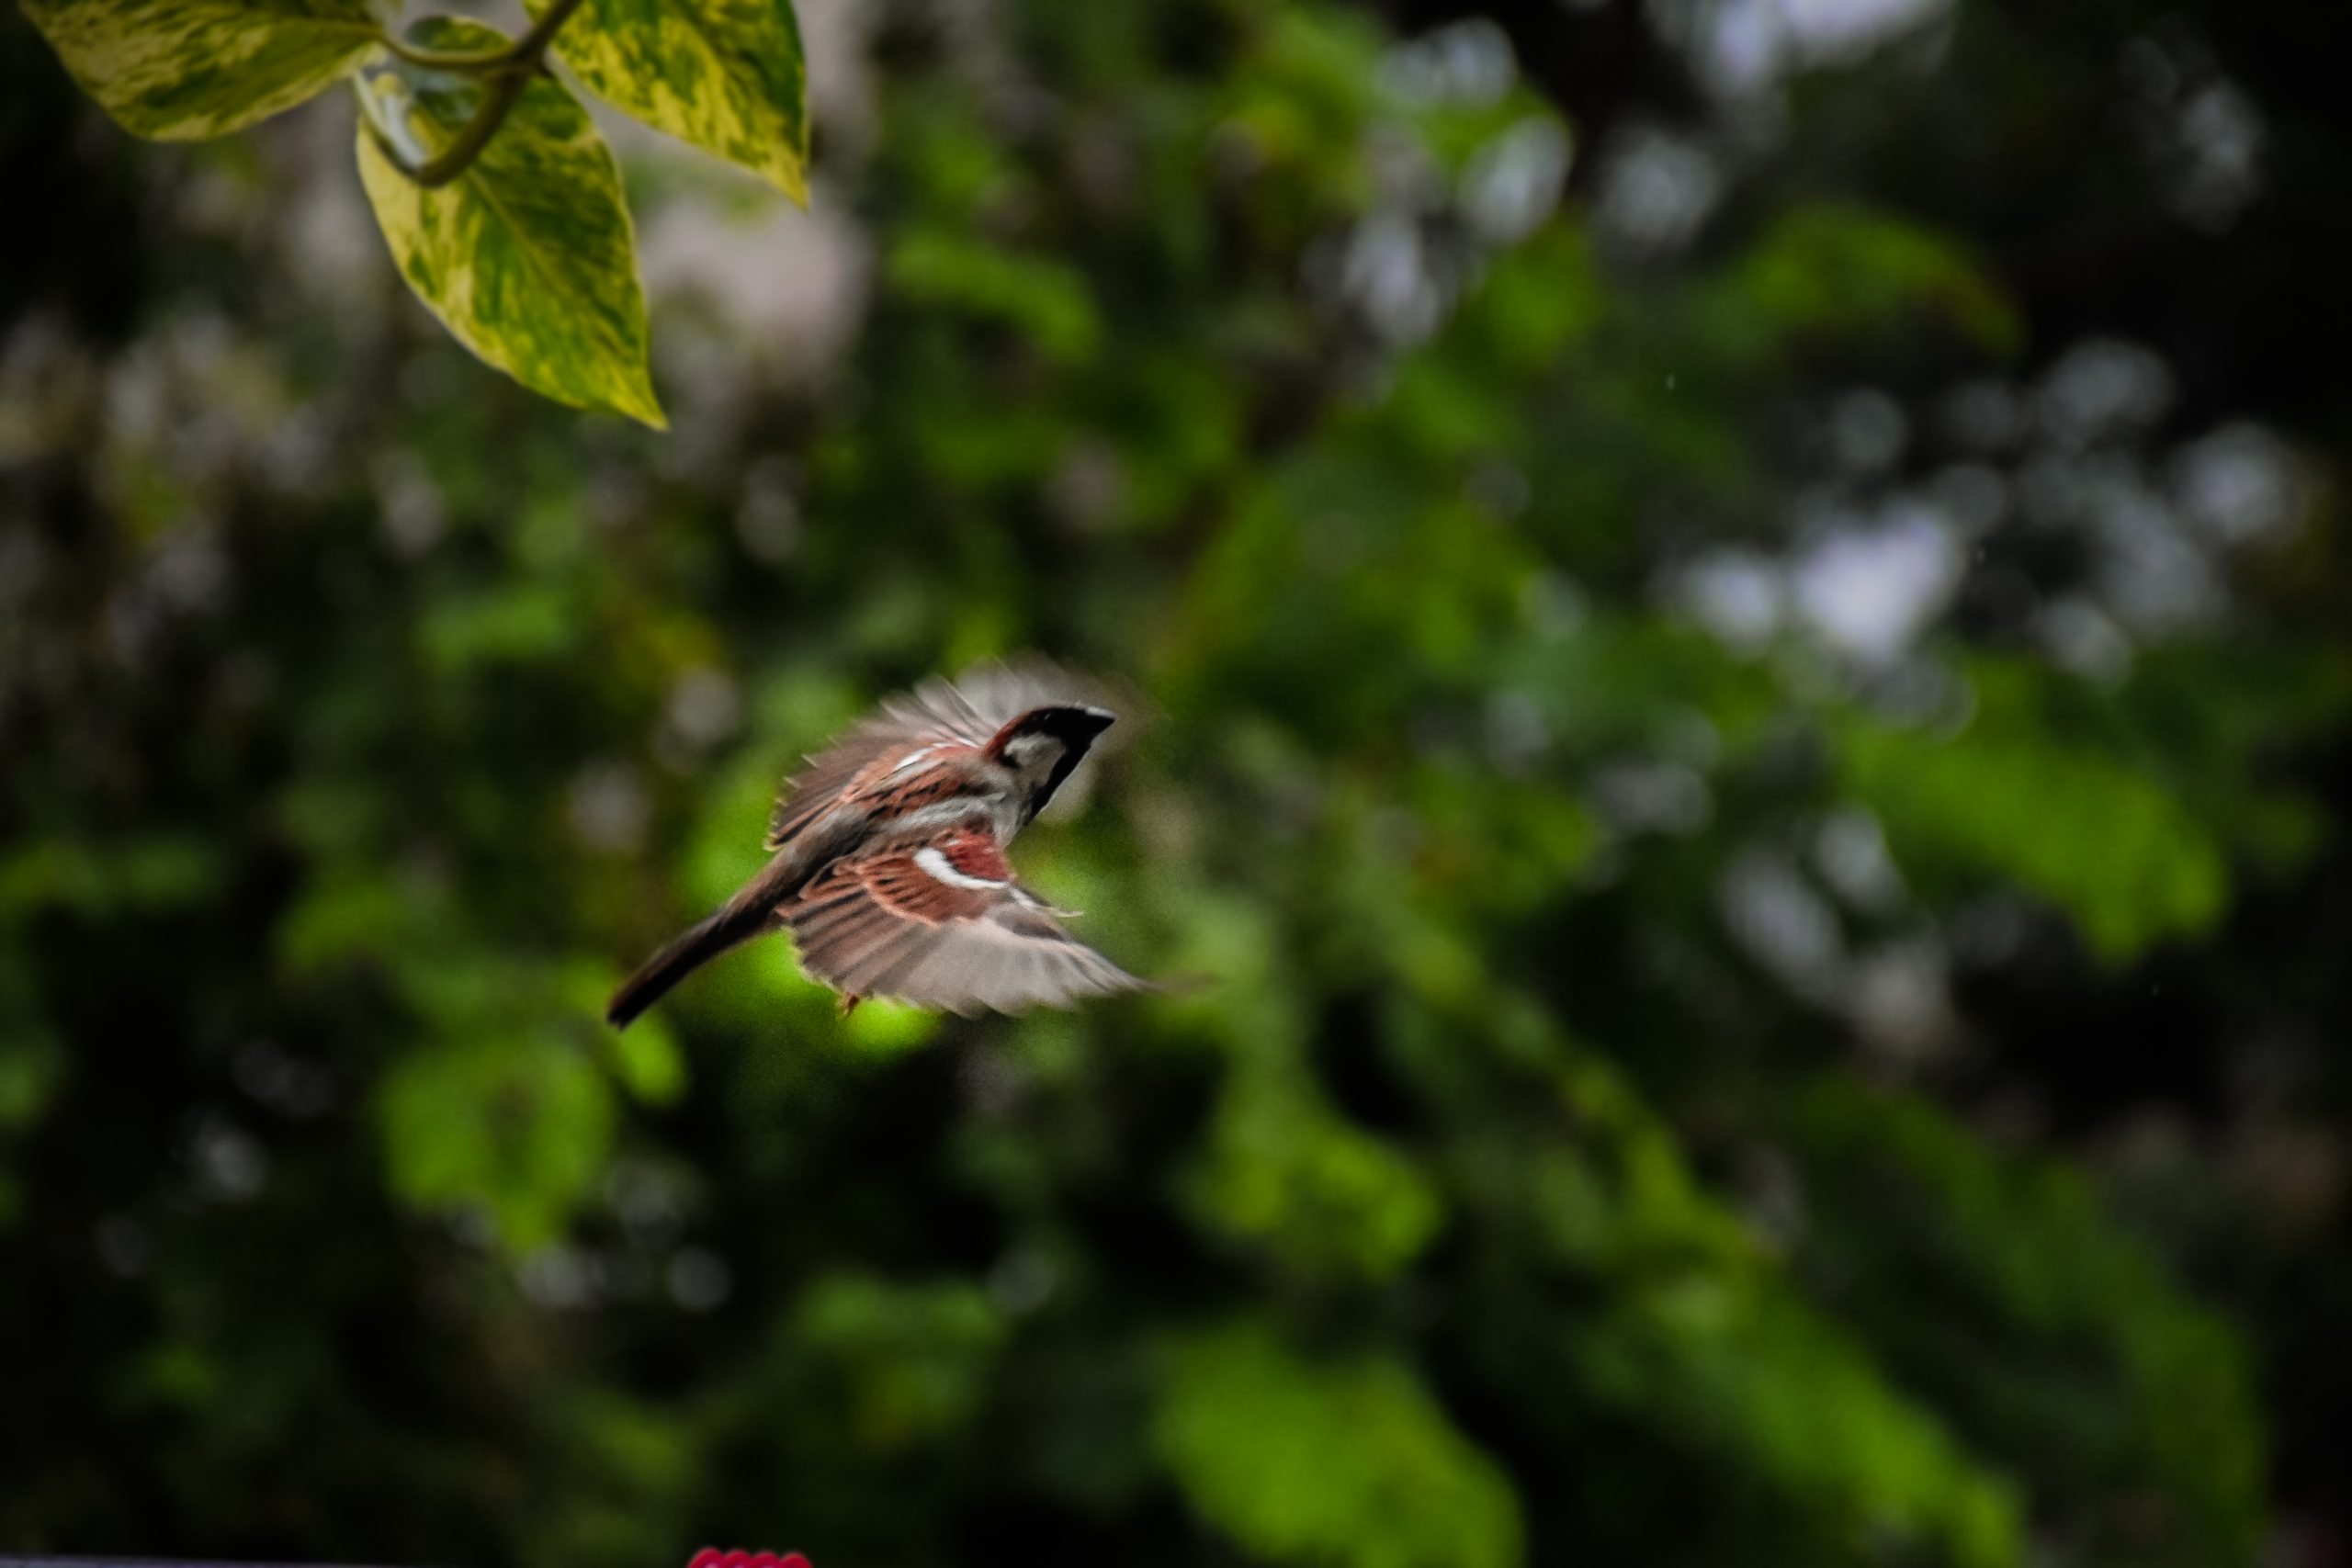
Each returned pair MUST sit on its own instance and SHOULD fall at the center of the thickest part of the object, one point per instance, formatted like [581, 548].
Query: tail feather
[682, 957]
[738, 920]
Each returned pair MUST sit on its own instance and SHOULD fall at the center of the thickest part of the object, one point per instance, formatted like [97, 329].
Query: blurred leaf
[31, 1066]
[183, 70]
[1042, 298]
[649, 1062]
[915, 1358]
[1347, 1462]
[524, 622]
[519, 1127]
[726, 75]
[2222, 715]
[1839, 271]
[151, 872]
[1284, 1172]
[888, 1028]
[528, 257]
[635, 1471]
[343, 918]
[2128, 1405]
[1796, 1404]
[1313, 79]
[2102, 842]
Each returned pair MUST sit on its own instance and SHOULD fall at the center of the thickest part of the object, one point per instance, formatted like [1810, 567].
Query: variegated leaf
[528, 257]
[183, 70]
[726, 75]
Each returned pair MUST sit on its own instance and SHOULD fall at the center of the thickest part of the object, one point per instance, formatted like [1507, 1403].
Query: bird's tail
[674, 963]
[738, 920]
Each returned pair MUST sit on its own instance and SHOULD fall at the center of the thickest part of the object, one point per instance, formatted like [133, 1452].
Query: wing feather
[880, 924]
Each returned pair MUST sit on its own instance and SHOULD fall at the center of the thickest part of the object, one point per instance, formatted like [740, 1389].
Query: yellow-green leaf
[527, 256]
[726, 75]
[183, 70]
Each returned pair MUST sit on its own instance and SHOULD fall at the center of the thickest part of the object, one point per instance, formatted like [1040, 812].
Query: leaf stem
[459, 60]
[509, 71]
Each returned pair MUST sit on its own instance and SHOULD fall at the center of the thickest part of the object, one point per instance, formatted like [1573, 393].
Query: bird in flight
[887, 857]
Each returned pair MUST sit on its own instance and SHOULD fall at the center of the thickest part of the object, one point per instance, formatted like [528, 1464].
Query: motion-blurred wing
[966, 712]
[943, 925]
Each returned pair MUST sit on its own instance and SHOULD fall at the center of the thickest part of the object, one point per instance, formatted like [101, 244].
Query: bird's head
[1043, 746]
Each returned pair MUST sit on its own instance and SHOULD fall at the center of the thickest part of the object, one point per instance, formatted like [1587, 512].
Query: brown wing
[969, 712]
[942, 924]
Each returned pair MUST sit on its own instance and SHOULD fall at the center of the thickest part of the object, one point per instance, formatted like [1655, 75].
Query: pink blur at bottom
[711, 1557]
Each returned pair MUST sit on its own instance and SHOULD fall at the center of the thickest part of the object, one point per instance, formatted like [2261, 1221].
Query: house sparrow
[888, 857]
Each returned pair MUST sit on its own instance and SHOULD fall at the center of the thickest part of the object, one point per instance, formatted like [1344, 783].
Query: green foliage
[1644, 1098]
[1837, 273]
[525, 1124]
[1285, 1174]
[32, 1065]
[1349, 1463]
[2103, 841]
[502, 205]
[725, 75]
[527, 256]
[183, 70]
[1781, 1395]
[912, 1363]
[2105, 1374]
[1044, 300]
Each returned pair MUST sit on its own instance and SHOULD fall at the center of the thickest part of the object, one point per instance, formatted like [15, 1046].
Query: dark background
[1735, 620]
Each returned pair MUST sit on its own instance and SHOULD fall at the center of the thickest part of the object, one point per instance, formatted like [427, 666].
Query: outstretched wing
[943, 924]
[967, 712]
